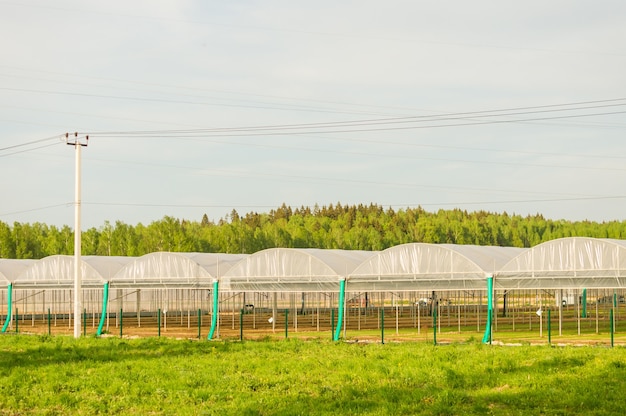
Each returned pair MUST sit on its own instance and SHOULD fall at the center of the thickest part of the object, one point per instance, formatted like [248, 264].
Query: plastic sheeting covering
[174, 270]
[575, 262]
[420, 266]
[558, 264]
[107, 266]
[217, 264]
[293, 270]
[11, 268]
[57, 272]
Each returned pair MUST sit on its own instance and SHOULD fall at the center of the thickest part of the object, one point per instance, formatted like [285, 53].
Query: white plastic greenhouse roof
[575, 262]
[419, 266]
[181, 270]
[9, 268]
[58, 272]
[107, 266]
[292, 269]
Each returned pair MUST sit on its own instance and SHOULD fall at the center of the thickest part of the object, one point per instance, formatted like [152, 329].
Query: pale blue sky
[507, 77]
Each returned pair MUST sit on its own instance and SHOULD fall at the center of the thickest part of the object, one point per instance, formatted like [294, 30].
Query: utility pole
[77, 234]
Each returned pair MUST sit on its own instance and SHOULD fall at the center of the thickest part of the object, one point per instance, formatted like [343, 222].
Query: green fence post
[549, 329]
[159, 321]
[199, 322]
[241, 324]
[84, 322]
[121, 322]
[612, 328]
[17, 321]
[49, 318]
[435, 324]
[286, 323]
[583, 300]
[382, 325]
[332, 324]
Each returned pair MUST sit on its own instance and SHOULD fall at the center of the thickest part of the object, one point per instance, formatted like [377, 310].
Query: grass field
[62, 375]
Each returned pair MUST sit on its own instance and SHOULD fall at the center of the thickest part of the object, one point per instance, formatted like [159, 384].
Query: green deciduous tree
[352, 227]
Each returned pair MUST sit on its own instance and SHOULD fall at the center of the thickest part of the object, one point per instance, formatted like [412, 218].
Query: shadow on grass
[543, 388]
[24, 351]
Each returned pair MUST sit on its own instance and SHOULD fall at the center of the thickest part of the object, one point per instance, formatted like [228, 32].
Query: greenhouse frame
[320, 289]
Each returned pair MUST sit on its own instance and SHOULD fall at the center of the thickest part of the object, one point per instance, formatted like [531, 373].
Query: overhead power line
[15, 146]
[23, 211]
[390, 123]
[523, 201]
[423, 204]
[287, 100]
[200, 133]
[393, 205]
[27, 150]
[261, 106]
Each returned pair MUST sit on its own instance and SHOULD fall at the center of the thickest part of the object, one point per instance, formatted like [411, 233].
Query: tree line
[349, 227]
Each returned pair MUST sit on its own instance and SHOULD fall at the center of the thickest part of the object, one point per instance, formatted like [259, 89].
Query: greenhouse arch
[420, 266]
[567, 263]
[293, 270]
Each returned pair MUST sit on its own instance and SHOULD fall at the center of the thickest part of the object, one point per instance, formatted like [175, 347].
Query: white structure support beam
[77, 236]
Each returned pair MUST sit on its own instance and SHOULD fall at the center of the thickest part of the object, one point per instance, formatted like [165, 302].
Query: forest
[349, 227]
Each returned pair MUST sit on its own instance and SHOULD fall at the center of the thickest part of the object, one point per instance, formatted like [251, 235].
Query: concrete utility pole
[77, 235]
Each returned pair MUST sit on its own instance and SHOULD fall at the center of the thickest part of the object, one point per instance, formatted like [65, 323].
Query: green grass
[61, 375]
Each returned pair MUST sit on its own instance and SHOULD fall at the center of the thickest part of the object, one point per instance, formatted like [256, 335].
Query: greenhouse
[453, 288]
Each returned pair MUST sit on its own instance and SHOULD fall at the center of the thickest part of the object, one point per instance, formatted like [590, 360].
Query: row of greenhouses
[462, 284]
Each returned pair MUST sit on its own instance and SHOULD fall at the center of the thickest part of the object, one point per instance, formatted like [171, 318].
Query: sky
[196, 107]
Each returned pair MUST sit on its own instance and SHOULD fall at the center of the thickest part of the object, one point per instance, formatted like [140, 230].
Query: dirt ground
[189, 330]
[258, 326]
